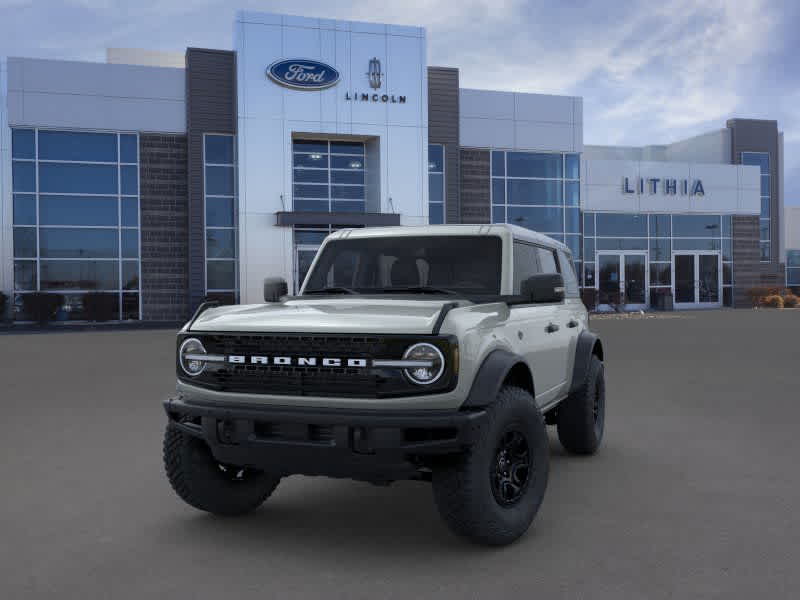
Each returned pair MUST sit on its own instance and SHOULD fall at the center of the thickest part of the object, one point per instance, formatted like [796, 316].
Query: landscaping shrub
[773, 301]
[98, 306]
[790, 301]
[41, 306]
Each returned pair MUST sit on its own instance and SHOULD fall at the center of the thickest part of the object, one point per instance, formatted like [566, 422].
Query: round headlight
[427, 373]
[191, 355]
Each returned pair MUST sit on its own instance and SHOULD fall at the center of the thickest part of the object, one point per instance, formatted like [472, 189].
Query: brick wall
[165, 230]
[748, 271]
[475, 198]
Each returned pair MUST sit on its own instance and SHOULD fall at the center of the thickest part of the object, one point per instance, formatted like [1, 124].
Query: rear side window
[547, 260]
[570, 278]
[526, 263]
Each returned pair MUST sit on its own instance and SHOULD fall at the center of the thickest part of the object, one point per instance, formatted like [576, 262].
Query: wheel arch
[588, 345]
[499, 368]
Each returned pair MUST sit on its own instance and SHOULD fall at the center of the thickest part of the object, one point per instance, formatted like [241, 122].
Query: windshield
[461, 265]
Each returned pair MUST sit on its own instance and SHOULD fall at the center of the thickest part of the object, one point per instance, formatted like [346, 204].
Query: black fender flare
[490, 377]
[588, 345]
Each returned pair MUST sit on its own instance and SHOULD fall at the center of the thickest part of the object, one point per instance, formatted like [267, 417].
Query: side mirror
[275, 288]
[543, 287]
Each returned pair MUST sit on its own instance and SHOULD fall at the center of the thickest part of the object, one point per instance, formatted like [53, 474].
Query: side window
[570, 279]
[526, 263]
[547, 260]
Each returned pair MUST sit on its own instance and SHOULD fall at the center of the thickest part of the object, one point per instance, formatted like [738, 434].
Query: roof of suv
[502, 230]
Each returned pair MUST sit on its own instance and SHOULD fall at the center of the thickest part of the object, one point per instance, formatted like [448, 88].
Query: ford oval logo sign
[303, 74]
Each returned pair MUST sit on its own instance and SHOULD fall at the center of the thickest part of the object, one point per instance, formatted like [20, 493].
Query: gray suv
[434, 353]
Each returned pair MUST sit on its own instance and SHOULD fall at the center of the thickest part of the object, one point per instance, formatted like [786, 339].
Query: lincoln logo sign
[302, 74]
[667, 186]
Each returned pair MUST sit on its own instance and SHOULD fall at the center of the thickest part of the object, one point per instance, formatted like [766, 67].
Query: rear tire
[492, 492]
[581, 417]
[202, 482]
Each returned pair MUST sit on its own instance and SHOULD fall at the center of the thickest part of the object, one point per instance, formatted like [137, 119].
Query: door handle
[572, 323]
[551, 328]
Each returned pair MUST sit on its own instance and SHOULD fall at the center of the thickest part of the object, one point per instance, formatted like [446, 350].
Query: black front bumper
[369, 445]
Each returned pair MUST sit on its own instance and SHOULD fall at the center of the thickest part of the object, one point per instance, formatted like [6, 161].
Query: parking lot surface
[694, 494]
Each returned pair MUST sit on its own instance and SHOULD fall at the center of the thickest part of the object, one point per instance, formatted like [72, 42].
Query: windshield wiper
[331, 290]
[418, 289]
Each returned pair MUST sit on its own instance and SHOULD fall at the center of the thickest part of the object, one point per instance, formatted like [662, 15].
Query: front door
[622, 280]
[697, 279]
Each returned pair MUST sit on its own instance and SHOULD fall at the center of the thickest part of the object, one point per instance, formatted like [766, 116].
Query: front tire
[581, 417]
[492, 493]
[202, 482]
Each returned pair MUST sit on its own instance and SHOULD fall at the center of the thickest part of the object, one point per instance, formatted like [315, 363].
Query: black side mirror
[543, 287]
[275, 288]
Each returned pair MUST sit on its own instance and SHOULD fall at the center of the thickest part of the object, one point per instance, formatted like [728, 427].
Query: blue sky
[649, 72]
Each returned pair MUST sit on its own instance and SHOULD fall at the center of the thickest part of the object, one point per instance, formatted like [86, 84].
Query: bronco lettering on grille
[300, 361]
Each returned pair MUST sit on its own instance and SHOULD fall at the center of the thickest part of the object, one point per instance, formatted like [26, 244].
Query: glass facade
[540, 191]
[328, 176]
[76, 220]
[435, 184]
[221, 223]
[658, 235]
[793, 268]
[761, 160]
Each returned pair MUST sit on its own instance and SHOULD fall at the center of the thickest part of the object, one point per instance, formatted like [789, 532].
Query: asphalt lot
[695, 493]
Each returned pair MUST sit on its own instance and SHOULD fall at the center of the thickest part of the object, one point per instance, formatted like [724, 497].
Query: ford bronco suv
[436, 353]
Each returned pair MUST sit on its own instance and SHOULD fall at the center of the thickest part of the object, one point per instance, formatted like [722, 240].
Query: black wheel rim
[510, 472]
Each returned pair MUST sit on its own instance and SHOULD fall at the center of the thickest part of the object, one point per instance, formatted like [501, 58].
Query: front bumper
[358, 444]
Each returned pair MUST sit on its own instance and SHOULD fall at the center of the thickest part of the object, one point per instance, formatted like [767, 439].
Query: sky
[649, 72]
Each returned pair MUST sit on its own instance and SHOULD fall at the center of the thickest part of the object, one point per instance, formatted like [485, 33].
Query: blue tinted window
[543, 219]
[348, 206]
[311, 191]
[219, 212]
[498, 191]
[695, 244]
[25, 242]
[529, 164]
[793, 277]
[219, 181]
[436, 214]
[130, 243]
[765, 185]
[77, 179]
[220, 243]
[347, 192]
[573, 220]
[574, 243]
[78, 243]
[313, 175]
[588, 224]
[766, 251]
[624, 225]
[793, 258]
[435, 158]
[696, 225]
[320, 161]
[128, 149]
[130, 275]
[526, 191]
[81, 146]
[660, 249]
[24, 275]
[347, 148]
[726, 225]
[130, 306]
[765, 207]
[498, 163]
[573, 166]
[727, 249]
[23, 143]
[23, 176]
[588, 249]
[219, 149]
[80, 275]
[77, 210]
[498, 214]
[572, 189]
[338, 162]
[660, 226]
[24, 209]
[129, 180]
[220, 274]
[357, 177]
[621, 244]
[313, 238]
[310, 146]
[764, 229]
[759, 159]
[311, 205]
[436, 187]
[130, 212]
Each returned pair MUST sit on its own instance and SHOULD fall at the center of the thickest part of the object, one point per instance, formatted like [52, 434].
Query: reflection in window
[76, 228]
[328, 176]
[219, 155]
[761, 160]
[435, 184]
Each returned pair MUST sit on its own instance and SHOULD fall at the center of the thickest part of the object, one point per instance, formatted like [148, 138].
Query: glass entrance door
[697, 279]
[622, 280]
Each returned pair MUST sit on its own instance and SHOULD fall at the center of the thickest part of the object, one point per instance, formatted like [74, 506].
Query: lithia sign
[667, 186]
[306, 74]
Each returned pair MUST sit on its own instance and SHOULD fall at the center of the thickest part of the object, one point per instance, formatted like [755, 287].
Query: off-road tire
[203, 483]
[581, 417]
[463, 485]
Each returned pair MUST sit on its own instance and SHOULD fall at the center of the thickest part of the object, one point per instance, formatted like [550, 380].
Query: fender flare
[490, 377]
[588, 345]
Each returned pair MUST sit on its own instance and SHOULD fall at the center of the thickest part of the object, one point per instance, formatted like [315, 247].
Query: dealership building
[163, 179]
